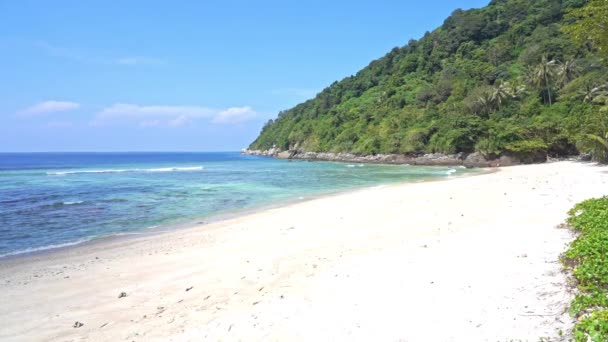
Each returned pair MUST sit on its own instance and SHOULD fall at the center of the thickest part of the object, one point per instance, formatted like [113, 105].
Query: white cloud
[173, 116]
[47, 107]
[180, 121]
[234, 115]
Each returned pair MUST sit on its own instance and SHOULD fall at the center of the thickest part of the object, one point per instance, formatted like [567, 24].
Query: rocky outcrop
[427, 159]
[432, 159]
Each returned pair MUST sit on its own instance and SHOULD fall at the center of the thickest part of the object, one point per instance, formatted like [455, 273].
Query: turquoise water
[49, 200]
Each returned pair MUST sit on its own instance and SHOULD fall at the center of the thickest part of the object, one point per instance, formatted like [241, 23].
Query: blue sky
[182, 75]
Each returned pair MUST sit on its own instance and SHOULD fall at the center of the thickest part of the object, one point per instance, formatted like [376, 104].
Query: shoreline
[468, 160]
[202, 221]
[477, 256]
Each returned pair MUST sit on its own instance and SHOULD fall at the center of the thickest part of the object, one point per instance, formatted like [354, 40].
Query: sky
[182, 75]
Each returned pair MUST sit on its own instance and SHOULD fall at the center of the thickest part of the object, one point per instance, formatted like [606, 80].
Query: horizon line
[134, 151]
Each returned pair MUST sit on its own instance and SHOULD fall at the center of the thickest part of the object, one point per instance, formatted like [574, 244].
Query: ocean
[50, 200]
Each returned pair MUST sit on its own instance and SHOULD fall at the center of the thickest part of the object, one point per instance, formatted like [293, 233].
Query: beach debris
[256, 303]
[261, 288]
[122, 295]
[103, 325]
[190, 288]
[209, 296]
[77, 324]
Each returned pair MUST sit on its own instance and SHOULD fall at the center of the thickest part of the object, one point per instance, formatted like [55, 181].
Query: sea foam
[162, 169]
[44, 248]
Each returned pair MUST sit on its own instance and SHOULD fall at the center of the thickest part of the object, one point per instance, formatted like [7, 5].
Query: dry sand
[467, 259]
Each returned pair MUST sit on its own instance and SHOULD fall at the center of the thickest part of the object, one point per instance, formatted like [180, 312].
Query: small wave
[170, 169]
[350, 165]
[163, 169]
[44, 248]
[450, 171]
[72, 202]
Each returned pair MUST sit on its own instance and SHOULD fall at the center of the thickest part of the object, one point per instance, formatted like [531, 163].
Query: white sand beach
[465, 259]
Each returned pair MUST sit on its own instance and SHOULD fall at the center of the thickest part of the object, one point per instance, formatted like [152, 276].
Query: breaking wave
[162, 169]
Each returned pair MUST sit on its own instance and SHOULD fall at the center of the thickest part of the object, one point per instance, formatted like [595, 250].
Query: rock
[523, 158]
[122, 295]
[440, 159]
[476, 160]
[508, 161]
[432, 159]
[585, 157]
[285, 155]
[78, 324]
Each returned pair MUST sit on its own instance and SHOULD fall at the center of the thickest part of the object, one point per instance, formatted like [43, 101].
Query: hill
[501, 80]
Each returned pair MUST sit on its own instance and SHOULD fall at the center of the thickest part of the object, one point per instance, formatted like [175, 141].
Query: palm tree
[601, 150]
[600, 141]
[499, 94]
[592, 93]
[515, 90]
[542, 76]
[485, 101]
[567, 71]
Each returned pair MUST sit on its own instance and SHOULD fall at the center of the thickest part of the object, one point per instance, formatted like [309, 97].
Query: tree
[590, 24]
[484, 101]
[472, 69]
[601, 146]
[499, 94]
[542, 76]
[592, 94]
[599, 141]
[566, 72]
[515, 90]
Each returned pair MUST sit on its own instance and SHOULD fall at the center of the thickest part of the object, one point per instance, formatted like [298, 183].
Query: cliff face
[502, 81]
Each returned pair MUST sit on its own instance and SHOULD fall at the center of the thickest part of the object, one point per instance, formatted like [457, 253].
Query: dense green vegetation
[587, 257]
[517, 77]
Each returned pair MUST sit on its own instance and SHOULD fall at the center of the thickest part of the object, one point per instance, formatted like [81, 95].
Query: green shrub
[587, 258]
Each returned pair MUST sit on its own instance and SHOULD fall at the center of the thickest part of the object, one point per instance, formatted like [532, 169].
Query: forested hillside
[514, 77]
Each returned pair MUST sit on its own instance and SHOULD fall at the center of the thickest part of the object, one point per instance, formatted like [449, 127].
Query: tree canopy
[509, 78]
